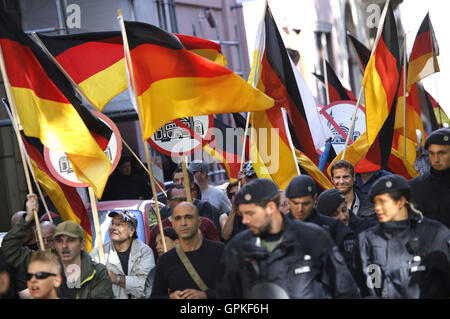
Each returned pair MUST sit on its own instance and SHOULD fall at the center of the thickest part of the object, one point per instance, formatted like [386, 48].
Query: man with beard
[431, 191]
[189, 271]
[128, 259]
[280, 257]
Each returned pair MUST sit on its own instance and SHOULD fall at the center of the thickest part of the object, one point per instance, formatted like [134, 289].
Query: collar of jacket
[87, 269]
[396, 226]
[312, 216]
[251, 249]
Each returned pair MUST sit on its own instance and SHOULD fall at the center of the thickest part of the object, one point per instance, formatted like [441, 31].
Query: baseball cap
[198, 166]
[126, 215]
[256, 191]
[69, 228]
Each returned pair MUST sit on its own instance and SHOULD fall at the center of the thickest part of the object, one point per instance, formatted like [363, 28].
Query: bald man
[172, 280]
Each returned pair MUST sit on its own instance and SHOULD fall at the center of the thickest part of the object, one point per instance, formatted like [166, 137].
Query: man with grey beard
[128, 259]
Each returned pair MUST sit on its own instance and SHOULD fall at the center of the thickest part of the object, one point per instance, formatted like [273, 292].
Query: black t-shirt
[124, 256]
[170, 272]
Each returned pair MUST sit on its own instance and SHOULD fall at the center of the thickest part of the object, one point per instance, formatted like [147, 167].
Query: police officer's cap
[329, 201]
[440, 137]
[388, 184]
[256, 191]
[300, 186]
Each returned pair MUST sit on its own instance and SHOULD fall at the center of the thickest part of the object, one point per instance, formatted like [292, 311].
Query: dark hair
[342, 164]
[180, 170]
[230, 186]
[396, 195]
[169, 232]
[172, 187]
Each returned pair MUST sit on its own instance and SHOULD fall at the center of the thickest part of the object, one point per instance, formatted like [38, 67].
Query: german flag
[381, 83]
[172, 82]
[66, 199]
[423, 57]
[205, 48]
[362, 52]
[95, 61]
[437, 115]
[337, 91]
[49, 108]
[225, 149]
[276, 78]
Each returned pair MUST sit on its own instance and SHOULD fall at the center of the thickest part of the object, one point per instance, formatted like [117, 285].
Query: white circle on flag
[184, 136]
[61, 168]
[338, 117]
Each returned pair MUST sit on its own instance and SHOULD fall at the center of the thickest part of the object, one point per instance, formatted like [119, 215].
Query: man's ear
[83, 243]
[57, 281]
[272, 207]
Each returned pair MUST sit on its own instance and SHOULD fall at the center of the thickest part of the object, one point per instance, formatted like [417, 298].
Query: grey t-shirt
[217, 198]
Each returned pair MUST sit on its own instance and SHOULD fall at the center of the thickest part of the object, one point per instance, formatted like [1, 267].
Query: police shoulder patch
[337, 255]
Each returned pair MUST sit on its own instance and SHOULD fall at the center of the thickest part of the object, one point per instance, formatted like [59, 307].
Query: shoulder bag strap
[190, 268]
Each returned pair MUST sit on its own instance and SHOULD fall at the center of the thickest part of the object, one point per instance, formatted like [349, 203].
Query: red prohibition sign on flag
[183, 136]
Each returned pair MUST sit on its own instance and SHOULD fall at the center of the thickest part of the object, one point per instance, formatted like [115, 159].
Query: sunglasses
[39, 275]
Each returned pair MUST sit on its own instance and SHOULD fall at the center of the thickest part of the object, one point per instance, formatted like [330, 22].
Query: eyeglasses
[39, 275]
[179, 199]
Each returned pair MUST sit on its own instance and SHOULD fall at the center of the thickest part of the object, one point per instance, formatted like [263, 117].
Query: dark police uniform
[343, 236]
[431, 191]
[329, 201]
[404, 259]
[305, 263]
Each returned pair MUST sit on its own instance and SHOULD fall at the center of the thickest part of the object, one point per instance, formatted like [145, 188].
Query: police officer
[405, 255]
[332, 203]
[431, 191]
[302, 197]
[287, 257]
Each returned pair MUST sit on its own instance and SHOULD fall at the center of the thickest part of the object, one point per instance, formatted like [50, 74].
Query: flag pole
[143, 166]
[141, 123]
[251, 80]
[98, 232]
[7, 107]
[404, 95]
[380, 24]
[20, 142]
[187, 184]
[324, 66]
[88, 100]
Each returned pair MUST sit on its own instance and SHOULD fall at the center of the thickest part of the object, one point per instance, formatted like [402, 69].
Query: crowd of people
[374, 235]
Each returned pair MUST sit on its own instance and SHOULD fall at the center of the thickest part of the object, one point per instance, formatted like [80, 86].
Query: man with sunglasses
[86, 279]
[44, 275]
[128, 259]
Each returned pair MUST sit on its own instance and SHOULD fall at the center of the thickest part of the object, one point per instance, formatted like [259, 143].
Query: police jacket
[431, 193]
[342, 235]
[306, 264]
[358, 224]
[405, 259]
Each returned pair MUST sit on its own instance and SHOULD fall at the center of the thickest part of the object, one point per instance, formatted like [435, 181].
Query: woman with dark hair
[405, 255]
